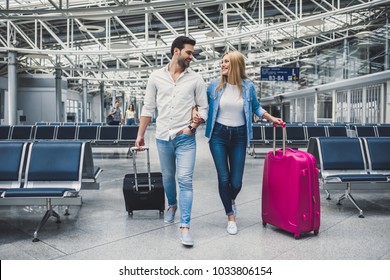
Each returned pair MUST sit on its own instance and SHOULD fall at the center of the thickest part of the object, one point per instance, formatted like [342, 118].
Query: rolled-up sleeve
[257, 109]
[201, 99]
[150, 104]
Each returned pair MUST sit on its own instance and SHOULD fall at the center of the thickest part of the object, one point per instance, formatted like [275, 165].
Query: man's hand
[140, 141]
[197, 119]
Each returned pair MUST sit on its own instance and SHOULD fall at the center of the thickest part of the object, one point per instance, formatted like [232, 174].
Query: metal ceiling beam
[246, 32]
[136, 8]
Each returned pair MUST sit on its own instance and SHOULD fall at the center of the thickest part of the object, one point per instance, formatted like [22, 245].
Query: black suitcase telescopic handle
[134, 150]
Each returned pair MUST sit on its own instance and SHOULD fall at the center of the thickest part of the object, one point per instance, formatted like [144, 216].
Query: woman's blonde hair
[236, 72]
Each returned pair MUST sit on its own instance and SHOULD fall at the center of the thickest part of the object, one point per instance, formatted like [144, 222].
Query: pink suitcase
[290, 195]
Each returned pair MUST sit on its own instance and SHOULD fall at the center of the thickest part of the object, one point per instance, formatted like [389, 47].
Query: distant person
[116, 113]
[232, 101]
[130, 115]
[174, 90]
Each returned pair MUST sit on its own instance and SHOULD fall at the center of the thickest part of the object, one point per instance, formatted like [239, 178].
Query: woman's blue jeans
[130, 122]
[228, 148]
[178, 155]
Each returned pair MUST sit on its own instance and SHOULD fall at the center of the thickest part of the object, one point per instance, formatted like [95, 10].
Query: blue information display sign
[279, 74]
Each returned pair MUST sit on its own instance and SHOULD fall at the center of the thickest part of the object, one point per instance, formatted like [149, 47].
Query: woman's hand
[276, 121]
[197, 119]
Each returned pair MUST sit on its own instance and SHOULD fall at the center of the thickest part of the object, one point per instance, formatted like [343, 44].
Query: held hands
[196, 118]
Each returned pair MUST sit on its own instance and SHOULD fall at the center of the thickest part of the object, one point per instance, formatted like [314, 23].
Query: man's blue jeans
[178, 155]
[228, 148]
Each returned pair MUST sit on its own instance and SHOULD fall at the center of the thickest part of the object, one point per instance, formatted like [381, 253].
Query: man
[116, 113]
[174, 90]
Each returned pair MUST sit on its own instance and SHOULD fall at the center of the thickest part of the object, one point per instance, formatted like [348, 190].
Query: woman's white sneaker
[232, 228]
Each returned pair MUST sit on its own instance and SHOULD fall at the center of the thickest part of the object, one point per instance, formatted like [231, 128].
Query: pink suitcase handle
[283, 125]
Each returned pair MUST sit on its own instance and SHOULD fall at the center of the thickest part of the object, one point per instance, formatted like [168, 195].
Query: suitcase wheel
[297, 236]
[264, 224]
[130, 213]
[161, 212]
[316, 232]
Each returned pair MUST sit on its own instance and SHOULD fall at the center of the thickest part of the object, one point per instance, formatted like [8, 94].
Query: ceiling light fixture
[233, 11]
[135, 62]
[313, 22]
[364, 34]
[37, 55]
[212, 34]
[209, 53]
[92, 28]
[120, 46]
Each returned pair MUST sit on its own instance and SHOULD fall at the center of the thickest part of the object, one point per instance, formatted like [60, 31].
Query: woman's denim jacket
[251, 106]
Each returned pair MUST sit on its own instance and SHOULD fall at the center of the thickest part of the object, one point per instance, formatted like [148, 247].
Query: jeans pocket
[218, 129]
[241, 132]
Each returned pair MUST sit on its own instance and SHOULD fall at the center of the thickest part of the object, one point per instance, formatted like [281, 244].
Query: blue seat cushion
[37, 192]
[10, 158]
[55, 161]
[341, 153]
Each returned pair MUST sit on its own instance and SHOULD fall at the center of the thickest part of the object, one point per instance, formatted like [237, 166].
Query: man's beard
[183, 63]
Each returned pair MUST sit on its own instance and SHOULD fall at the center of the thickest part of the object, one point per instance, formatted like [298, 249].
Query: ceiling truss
[120, 42]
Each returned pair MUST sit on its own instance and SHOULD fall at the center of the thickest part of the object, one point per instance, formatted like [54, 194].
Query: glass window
[310, 101]
[73, 109]
[300, 109]
[324, 107]
[341, 114]
[373, 104]
[357, 105]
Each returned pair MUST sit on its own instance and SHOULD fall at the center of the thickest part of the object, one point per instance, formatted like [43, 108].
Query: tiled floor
[102, 229]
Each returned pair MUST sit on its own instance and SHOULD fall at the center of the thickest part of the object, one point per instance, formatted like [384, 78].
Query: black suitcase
[143, 191]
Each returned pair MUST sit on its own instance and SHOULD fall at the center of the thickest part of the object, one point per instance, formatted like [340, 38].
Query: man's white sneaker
[232, 228]
[169, 216]
[186, 239]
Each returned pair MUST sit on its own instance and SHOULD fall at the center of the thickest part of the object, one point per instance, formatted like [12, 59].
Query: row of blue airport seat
[97, 135]
[307, 123]
[298, 135]
[48, 173]
[352, 162]
[349, 125]
[371, 130]
[69, 123]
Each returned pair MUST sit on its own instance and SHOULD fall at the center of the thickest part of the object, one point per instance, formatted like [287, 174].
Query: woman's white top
[231, 107]
[130, 114]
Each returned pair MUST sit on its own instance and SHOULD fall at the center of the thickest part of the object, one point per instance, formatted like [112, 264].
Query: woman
[130, 115]
[232, 101]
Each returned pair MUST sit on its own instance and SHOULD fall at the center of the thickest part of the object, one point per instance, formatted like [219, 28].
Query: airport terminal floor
[101, 229]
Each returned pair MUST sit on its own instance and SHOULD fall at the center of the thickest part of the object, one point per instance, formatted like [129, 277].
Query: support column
[59, 118]
[345, 59]
[387, 54]
[85, 92]
[101, 88]
[113, 96]
[12, 89]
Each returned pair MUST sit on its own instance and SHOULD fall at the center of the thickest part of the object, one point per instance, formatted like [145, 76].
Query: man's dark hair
[180, 41]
